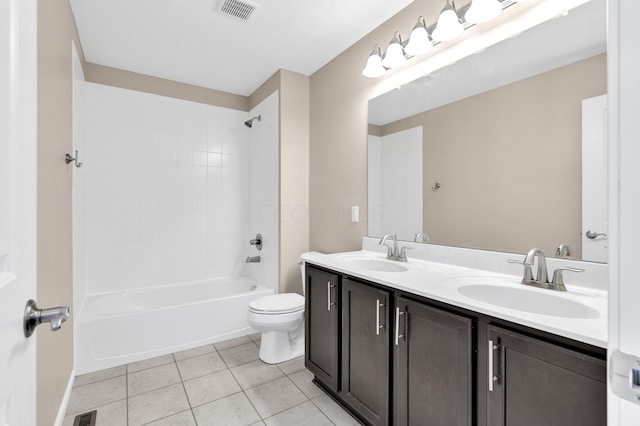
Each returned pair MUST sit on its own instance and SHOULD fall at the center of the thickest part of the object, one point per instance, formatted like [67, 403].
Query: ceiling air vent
[238, 9]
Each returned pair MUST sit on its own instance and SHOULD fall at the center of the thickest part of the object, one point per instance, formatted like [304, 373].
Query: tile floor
[221, 384]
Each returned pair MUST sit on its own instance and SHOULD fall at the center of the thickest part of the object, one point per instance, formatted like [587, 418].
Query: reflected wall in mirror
[502, 134]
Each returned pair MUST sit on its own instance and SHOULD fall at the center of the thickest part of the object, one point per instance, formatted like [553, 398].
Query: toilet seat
[276, 304]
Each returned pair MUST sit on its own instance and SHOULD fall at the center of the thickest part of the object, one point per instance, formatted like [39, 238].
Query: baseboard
[65, 400]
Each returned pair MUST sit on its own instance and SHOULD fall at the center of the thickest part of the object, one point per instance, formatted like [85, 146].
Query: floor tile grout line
[320, 408]
[217, 399]
[282, 411]
[298, 405]
[166, 417]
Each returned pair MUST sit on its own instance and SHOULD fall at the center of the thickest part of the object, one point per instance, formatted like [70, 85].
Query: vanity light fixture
[394, 56]
[374, 66]
[482, 11]
[449, 26]
[419, 41]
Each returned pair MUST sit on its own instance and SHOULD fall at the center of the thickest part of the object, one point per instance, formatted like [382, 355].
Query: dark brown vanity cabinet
[322, 325]
[433, 367]
[400, 359]
[532, 383]
[365, 350]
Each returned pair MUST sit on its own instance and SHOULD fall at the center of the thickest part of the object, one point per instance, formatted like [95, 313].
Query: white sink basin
[529, 300]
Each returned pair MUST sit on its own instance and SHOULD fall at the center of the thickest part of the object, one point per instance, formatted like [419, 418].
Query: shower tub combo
[118, 328]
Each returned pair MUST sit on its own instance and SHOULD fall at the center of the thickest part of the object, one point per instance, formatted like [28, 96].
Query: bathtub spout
[252, 259]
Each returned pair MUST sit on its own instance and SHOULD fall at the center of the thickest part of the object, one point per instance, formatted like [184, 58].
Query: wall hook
[68, 159]
[436, 186]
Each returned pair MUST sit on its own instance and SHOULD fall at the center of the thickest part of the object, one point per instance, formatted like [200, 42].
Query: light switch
[355, 214]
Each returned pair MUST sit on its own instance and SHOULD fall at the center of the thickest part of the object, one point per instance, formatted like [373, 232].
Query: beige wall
[509, 162]
[293, 101]
[294, 177]
[338, 137]
[144, 83]
[56, 29]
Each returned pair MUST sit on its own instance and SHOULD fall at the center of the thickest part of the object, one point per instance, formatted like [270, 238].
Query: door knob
[592, 235]
[34, 316]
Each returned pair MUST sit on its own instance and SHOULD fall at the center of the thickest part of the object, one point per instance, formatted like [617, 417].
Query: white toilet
[280, 319]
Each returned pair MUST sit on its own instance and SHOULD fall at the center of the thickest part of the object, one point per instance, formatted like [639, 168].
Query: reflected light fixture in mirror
[419, 42]
[482, 11]
[449, 26]
[374, 66]
[394, 56]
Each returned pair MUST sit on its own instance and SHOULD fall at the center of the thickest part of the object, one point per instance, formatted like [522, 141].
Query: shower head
[249, 123]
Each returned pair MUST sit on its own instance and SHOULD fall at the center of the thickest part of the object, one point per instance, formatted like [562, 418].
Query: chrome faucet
[252, 259]
[393, 253]
[541, 274]
[542, 279]
[421, 237]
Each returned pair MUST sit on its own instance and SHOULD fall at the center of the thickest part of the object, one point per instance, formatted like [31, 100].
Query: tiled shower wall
[164, 190]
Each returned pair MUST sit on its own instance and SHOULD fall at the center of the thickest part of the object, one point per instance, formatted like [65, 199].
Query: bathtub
[117, 328]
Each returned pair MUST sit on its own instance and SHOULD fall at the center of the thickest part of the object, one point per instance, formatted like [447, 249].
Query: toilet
[280, 319]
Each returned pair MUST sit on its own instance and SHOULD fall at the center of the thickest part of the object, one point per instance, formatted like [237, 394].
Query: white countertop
[442, 282]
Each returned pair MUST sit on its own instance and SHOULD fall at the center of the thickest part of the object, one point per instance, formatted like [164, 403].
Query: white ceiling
[188, 41]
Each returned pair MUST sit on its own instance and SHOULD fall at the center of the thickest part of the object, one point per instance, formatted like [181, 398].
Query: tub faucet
[252, 259]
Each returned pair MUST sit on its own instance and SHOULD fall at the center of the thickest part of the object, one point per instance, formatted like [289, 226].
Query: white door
[624, 284]
[17, 208]
[595, 243]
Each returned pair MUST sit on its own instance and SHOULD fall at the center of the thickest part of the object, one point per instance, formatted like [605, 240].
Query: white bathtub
[117, 328]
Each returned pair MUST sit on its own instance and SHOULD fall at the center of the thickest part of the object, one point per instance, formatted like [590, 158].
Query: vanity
[424, 342]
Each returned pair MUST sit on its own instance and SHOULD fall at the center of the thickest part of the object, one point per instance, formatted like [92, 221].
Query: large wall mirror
[504, 150]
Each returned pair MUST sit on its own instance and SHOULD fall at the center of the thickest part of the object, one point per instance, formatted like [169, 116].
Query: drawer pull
[398, 335]
[329, 302]
[378, 326]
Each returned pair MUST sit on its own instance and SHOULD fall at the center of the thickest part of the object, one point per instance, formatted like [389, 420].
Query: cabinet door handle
[398, 335]
[329, 302]
[378, 326]
[492, 378]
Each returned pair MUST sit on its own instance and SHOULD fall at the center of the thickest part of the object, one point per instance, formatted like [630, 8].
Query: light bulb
[448, 26]
[419, 42]
[374, 67]
[482, 11]
[394, 56]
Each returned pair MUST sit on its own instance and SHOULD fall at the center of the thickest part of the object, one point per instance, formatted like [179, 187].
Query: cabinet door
[533, 383]
[321, 326]
[432, 366]
[365, 350]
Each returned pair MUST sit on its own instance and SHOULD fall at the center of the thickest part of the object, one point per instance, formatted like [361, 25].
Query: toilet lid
[278, 303]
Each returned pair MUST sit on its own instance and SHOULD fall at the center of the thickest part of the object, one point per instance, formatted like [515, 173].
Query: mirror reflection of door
[395, 184]
[594, 179]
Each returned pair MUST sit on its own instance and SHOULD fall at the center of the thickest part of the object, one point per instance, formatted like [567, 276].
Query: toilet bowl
[280, 319]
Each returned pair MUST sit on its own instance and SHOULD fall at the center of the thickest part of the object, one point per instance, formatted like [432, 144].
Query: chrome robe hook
[68, 159]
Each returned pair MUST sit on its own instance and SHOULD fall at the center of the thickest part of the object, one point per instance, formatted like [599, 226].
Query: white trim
[65, 399]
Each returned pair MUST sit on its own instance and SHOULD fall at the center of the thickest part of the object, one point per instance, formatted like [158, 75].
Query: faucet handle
[528, 274]
[558, 279]
[403, 253]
